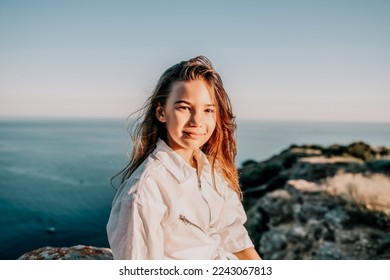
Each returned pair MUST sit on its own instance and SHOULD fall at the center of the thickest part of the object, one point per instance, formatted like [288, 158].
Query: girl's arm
[134, 227]
[231, 228]
[248, 254]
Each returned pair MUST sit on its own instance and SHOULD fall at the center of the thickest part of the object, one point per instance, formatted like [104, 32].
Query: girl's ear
[160, 114]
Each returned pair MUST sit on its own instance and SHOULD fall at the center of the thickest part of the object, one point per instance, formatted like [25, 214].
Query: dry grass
[369, 191]
[331, 160]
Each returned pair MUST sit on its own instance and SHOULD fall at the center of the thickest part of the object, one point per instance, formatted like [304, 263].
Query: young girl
[180, 197]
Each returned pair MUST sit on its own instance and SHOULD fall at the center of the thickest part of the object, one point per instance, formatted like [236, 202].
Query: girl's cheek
[212, 120]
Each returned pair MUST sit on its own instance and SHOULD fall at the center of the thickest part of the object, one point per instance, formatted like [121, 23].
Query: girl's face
[189, 116]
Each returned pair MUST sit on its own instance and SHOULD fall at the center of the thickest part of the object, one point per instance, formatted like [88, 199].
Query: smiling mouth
[191, 134]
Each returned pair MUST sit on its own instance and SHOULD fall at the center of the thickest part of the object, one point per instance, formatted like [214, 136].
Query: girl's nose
[196, 119]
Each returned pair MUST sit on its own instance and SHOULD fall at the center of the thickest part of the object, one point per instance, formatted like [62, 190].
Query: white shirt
[162, 212]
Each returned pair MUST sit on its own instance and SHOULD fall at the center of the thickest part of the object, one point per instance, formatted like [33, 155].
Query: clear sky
[280, 60]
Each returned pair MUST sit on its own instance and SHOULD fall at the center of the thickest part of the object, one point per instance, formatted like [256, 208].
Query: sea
[55, 187]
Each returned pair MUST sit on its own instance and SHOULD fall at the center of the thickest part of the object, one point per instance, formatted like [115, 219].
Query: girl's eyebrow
[189, 103]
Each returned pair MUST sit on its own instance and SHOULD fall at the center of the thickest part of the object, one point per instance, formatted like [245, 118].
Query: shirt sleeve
[134, 227]
[234, 235]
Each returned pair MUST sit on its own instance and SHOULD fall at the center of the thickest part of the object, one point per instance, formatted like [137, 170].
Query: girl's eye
[209, 110]
[183, 108]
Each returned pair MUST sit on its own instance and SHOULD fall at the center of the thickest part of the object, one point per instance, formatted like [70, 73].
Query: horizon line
[238, 119]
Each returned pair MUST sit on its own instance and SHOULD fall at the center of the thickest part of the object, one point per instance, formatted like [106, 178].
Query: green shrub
[258, 175]
[360, 150]
[289, 160]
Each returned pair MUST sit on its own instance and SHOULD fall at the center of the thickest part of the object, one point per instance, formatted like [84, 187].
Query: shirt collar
[176, 165]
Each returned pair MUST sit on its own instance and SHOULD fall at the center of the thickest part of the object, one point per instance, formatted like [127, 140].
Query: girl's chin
[185, 142]
[192, 144]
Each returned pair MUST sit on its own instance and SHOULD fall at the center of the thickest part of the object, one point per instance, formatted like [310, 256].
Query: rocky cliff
[312, 202]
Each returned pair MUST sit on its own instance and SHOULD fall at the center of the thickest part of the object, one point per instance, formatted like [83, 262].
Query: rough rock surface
[311, 202]
[79, 252]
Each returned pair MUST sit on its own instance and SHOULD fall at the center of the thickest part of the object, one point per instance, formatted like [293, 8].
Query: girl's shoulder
[143, 182]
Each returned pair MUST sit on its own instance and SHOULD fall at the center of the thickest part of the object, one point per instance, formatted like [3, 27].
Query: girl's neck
[188, 156]
[191, 159]
[193, 162]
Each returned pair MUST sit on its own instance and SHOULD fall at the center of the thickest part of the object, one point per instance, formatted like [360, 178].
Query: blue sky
[279, 60]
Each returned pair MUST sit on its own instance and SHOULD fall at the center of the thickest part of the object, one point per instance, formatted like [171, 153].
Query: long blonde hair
[220, 148]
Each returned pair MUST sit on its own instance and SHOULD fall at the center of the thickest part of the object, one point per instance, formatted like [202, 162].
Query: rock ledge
[79, 252]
